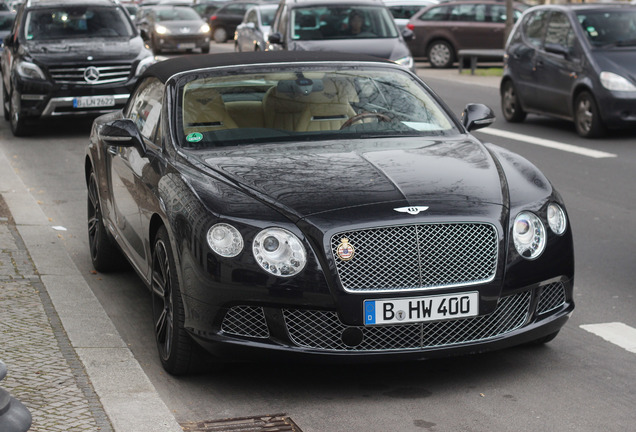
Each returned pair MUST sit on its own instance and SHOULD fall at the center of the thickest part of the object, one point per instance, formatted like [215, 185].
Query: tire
[510, 104]
[155, 46]
[440, 54]
[237, 47]
[105, 255]
[219, 34]
[176, 348]
[205, 49]
[6, 103]
[587, 119]
[18, 124]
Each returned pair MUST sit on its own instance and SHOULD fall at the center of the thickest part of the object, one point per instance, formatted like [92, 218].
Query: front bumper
[180, 43]
[618, 109]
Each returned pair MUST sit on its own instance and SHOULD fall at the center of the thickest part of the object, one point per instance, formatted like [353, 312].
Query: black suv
[80, 57]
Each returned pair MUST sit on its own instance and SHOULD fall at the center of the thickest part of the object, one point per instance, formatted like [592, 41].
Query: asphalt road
[580, 381]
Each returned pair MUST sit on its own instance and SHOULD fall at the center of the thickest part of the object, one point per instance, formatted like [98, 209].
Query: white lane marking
[597, 154]
[617, 333]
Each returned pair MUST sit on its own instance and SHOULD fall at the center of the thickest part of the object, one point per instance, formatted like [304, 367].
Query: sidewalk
[66, 362]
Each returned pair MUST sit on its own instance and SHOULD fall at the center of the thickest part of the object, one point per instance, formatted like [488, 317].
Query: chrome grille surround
[417, 257]
[552, 297]
[322, 330]
[75, 75]
[245, 321]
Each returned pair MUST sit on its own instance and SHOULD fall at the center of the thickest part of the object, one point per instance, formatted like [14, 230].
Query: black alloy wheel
[587, 119]
[510, 104]
[176, 348]
[105, 255]
[18, 124]
[6, 103]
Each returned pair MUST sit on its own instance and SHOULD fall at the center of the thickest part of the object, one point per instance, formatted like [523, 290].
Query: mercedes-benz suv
[65, 58]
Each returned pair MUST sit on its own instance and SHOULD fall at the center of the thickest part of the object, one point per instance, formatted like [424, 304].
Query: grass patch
[494, 71]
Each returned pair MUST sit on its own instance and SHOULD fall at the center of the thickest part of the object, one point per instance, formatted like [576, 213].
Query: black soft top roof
[165, 69]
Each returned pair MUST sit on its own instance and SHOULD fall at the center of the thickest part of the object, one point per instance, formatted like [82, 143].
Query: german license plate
[186, 46]
[421, 309]
[93, 101]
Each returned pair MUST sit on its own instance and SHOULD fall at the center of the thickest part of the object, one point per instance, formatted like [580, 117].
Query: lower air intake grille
[552, 297]
[245, 321]
[323, 330]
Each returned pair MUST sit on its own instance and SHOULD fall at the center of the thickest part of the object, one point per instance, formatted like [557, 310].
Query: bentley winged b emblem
[412, 210]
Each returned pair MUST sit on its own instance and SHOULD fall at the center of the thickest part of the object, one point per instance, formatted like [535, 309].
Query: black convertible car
[322, 205]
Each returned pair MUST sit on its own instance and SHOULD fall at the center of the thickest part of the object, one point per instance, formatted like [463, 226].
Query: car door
[129, 170]
[557, 66]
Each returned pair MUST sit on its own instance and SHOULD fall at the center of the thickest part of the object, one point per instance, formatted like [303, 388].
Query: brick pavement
[44, 371]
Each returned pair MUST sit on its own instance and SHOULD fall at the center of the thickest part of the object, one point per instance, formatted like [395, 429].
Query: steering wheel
[364, 115]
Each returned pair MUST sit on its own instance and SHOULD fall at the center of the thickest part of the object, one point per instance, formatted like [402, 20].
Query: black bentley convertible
[322, 206]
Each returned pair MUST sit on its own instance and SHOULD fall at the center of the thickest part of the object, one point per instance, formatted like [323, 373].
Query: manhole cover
[265, 423]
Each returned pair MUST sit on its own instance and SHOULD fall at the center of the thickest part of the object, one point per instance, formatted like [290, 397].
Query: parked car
[442, 30]
[355, 26]
[68, 59]
[575, 62]
[403, 10]
[226, 18]
[174, 28]
[6, 24]
[322, 205]
[207, 8]
[252, 34]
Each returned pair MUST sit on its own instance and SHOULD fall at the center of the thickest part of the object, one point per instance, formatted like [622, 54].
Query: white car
[403, 10]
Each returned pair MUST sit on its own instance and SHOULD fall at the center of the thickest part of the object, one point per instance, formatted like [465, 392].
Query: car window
[404, 11]
[177, 14]
[307, 104]
[250, 17]
[144, 107]
[534, 25]
[468, 13]
[77, 22]
[6, 22]
[337, 22]
[609, 27]
[441, 13]
[267, 16]
[559, 31]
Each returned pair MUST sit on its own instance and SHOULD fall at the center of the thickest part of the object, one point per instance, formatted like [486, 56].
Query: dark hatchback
[325, 206]
[174, 28]
[576, 62]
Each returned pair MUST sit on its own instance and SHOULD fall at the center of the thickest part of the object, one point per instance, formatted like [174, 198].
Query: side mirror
[122, 133]
[408, 34]
[275, 38]
[556, 48]
[477, 116]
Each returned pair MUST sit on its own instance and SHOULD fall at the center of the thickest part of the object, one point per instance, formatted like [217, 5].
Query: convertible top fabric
[165, 69]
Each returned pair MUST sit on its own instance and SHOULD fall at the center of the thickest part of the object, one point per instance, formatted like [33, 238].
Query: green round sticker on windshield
[194, 137]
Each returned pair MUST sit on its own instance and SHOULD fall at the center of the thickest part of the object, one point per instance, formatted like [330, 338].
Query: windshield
[77, 22]
[267, 15]
[306, 104]
[610, 27]
[177, 14]
[334, 22]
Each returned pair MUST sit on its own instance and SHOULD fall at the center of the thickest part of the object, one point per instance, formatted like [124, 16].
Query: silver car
[252, 33]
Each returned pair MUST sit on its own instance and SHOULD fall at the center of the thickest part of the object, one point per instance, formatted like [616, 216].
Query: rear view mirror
[477, 116]
[122, 133]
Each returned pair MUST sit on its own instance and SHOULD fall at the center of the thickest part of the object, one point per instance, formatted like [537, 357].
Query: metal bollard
[14, 417]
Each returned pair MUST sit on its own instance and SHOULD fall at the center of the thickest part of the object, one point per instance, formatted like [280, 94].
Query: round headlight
[225, 240]
[279, 252]
[529, 235]
[556, 219]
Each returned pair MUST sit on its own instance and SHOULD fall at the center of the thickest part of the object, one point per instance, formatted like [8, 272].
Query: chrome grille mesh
[552, 296]
[323, 329]
[417, 256]
[245, 321]
[75, 75]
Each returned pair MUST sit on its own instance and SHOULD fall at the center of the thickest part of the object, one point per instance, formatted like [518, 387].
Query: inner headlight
[279, 252]
[407, 62]
[556, 219]
[161, 29]
[225, 240]
[529, 235]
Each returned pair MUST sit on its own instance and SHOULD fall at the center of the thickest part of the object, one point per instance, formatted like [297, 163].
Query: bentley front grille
[323, 330]
[90, 75]
[552, 297]
[245, 321]
[411, 257]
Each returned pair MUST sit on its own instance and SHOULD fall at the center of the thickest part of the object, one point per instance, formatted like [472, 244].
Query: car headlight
[143, 64]
[614, 82]
[529, 235]
[204, 29]
[161, 29]
[29, 70]
[407, 62]
[279, 252]
[556, 219]
[225, 240]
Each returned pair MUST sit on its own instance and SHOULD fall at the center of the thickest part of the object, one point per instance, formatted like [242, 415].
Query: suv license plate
[93, 101]
[421, 309]
[186, 46]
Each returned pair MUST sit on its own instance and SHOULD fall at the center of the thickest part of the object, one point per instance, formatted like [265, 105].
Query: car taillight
[213, 17]
[410, 26]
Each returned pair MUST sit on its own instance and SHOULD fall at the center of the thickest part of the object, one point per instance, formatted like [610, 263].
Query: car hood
[324, 177]
[183, 27]
[100, 49]
[621, 61]
[392, 48]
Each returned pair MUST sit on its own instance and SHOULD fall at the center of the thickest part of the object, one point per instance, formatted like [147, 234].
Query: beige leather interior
[204, 110]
